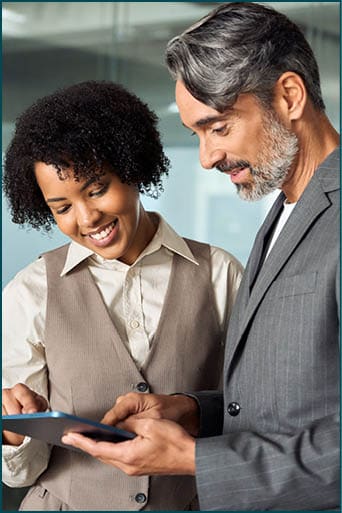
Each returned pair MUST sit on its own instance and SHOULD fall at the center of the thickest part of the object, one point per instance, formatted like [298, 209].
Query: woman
[127, 305]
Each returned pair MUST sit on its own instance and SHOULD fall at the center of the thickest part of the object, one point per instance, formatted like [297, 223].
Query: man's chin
[251, 193]
[245, 193]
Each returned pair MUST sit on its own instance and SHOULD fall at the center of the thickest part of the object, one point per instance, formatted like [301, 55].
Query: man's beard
[278, 151]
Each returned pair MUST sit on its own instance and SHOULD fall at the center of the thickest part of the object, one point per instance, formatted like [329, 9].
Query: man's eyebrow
[209, 120]
[84, 186]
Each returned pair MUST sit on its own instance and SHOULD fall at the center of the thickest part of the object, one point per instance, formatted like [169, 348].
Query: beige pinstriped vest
[89, 367]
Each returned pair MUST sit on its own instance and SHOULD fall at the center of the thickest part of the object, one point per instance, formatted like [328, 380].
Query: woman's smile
[105, 235]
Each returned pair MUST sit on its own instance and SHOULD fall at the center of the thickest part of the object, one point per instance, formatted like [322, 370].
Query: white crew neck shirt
[287, 211]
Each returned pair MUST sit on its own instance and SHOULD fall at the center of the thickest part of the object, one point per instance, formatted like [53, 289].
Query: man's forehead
[185, 98]
[197, 114]
[192, 111]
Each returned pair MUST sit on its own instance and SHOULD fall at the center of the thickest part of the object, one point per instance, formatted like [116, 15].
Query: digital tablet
[51, 426]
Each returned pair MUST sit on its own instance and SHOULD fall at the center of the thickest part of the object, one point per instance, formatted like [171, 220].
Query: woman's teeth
[104, 233]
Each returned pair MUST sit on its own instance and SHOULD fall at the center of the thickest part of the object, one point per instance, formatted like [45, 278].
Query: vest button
[142, 387]
[140, 498]
[233, 409]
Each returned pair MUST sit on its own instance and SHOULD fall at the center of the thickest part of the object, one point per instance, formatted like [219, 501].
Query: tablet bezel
[51, 426]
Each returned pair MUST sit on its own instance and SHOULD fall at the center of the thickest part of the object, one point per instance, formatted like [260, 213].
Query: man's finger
[124, 407]
[100, 450]
[146, 427]
[132, 424]
[80, 441]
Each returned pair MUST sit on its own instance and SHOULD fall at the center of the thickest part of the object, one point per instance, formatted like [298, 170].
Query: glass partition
[51, 44]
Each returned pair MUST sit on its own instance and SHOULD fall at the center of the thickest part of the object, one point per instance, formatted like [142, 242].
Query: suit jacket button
[142, 387]
[140, 498]
[233, 409]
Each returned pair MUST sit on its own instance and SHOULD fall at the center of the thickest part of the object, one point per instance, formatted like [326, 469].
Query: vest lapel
[188, 340]
[175, 310]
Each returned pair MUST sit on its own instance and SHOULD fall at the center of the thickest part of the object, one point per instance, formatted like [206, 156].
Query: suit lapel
[304, 214]
[312, 203]
[260, 240]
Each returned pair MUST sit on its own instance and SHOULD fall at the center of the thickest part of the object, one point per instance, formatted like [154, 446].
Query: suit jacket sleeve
[211, 412]
[246, 470]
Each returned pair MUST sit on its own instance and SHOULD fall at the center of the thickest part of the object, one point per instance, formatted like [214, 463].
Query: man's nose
[210, 157]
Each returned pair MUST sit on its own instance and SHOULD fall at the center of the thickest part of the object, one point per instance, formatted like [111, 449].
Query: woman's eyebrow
[51, 200]
[84, 186]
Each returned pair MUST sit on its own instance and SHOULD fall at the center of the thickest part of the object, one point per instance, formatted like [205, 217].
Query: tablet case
[51, 426]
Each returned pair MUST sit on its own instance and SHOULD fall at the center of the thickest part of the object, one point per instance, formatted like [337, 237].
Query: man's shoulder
[329, 171]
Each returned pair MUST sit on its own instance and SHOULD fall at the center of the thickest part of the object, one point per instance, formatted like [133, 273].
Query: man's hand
[161, 447]
[179, 408]
[20, 399]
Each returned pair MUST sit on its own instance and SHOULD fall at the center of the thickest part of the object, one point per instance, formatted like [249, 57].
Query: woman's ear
[290, 95]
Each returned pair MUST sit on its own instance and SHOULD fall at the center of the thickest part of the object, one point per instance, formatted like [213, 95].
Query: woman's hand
[16, 400]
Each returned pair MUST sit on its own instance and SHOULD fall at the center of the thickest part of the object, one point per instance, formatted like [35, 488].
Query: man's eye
[220, 130]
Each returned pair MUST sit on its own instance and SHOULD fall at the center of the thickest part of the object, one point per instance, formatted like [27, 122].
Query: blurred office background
[47, 45]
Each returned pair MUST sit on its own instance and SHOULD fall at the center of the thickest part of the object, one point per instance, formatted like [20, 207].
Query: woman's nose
[87, 217]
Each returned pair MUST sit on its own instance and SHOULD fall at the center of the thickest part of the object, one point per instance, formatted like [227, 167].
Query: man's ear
[290, 95]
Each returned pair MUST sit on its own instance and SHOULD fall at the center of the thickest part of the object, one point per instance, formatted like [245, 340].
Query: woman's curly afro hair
[87, 126]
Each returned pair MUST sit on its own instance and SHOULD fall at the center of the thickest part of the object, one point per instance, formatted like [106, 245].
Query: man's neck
[315, 144]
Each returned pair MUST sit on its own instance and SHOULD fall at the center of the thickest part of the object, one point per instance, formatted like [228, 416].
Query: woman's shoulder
[29, 280]
[222, 257]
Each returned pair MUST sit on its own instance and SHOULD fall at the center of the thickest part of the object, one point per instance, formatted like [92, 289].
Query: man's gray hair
[241, 48]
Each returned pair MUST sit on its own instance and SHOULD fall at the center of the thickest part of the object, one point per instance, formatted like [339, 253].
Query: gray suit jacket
[279, 447]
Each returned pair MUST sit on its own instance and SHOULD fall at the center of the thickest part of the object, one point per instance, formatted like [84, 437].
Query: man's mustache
[227, 166]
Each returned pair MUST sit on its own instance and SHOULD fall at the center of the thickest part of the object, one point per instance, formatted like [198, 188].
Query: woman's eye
[98, 192]
[63, 210]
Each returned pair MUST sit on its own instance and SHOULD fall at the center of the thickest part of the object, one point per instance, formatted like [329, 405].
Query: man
[247, 84]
